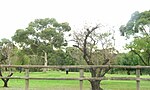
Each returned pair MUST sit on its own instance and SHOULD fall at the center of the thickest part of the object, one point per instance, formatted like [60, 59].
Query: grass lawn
[17, 84]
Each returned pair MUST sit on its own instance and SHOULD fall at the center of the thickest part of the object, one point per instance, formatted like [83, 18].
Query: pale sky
[16, 14]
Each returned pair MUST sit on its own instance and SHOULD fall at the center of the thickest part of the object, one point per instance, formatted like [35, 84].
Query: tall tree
[5, 55]
[42, 36]
[97, 49]
[139, 28]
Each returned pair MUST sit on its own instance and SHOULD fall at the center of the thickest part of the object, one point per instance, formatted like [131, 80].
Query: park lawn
[70, 84]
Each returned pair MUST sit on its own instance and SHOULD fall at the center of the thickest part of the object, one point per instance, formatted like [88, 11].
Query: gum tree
[138, 28]
[41, 37]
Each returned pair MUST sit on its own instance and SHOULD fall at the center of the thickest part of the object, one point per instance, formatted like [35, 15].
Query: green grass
[17, 84]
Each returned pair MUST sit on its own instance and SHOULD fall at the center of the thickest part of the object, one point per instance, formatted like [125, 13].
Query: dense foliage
[139, 28]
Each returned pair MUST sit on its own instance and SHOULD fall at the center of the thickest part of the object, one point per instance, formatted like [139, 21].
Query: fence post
[137, 79]
[27, 79]
[81, 76]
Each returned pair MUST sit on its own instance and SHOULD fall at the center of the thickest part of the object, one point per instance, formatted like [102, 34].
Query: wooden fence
[81, 78]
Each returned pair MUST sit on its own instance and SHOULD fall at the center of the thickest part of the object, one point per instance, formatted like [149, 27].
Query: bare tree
[5, 54]
[97, 49]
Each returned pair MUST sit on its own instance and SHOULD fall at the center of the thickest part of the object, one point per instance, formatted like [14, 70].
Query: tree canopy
[139, 27]
[138, 23]
[41, 37]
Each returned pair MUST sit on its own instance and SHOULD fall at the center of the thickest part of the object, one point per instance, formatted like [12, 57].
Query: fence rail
[76, 66]
[81, 78]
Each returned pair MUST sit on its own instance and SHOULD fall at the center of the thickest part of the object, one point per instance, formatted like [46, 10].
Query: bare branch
[139, 56]
[78, 48]
[85, 54]
[105, 71]
[144, 30]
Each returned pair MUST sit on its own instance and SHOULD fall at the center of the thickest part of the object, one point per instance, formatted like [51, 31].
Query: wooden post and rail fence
[81, 71]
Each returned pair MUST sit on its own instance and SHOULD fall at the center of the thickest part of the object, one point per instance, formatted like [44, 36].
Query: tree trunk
[95, 85]
[45, 61]
[5, 80]
[5, 83]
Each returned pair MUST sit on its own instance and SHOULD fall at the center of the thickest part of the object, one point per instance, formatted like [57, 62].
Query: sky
[16, 14]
